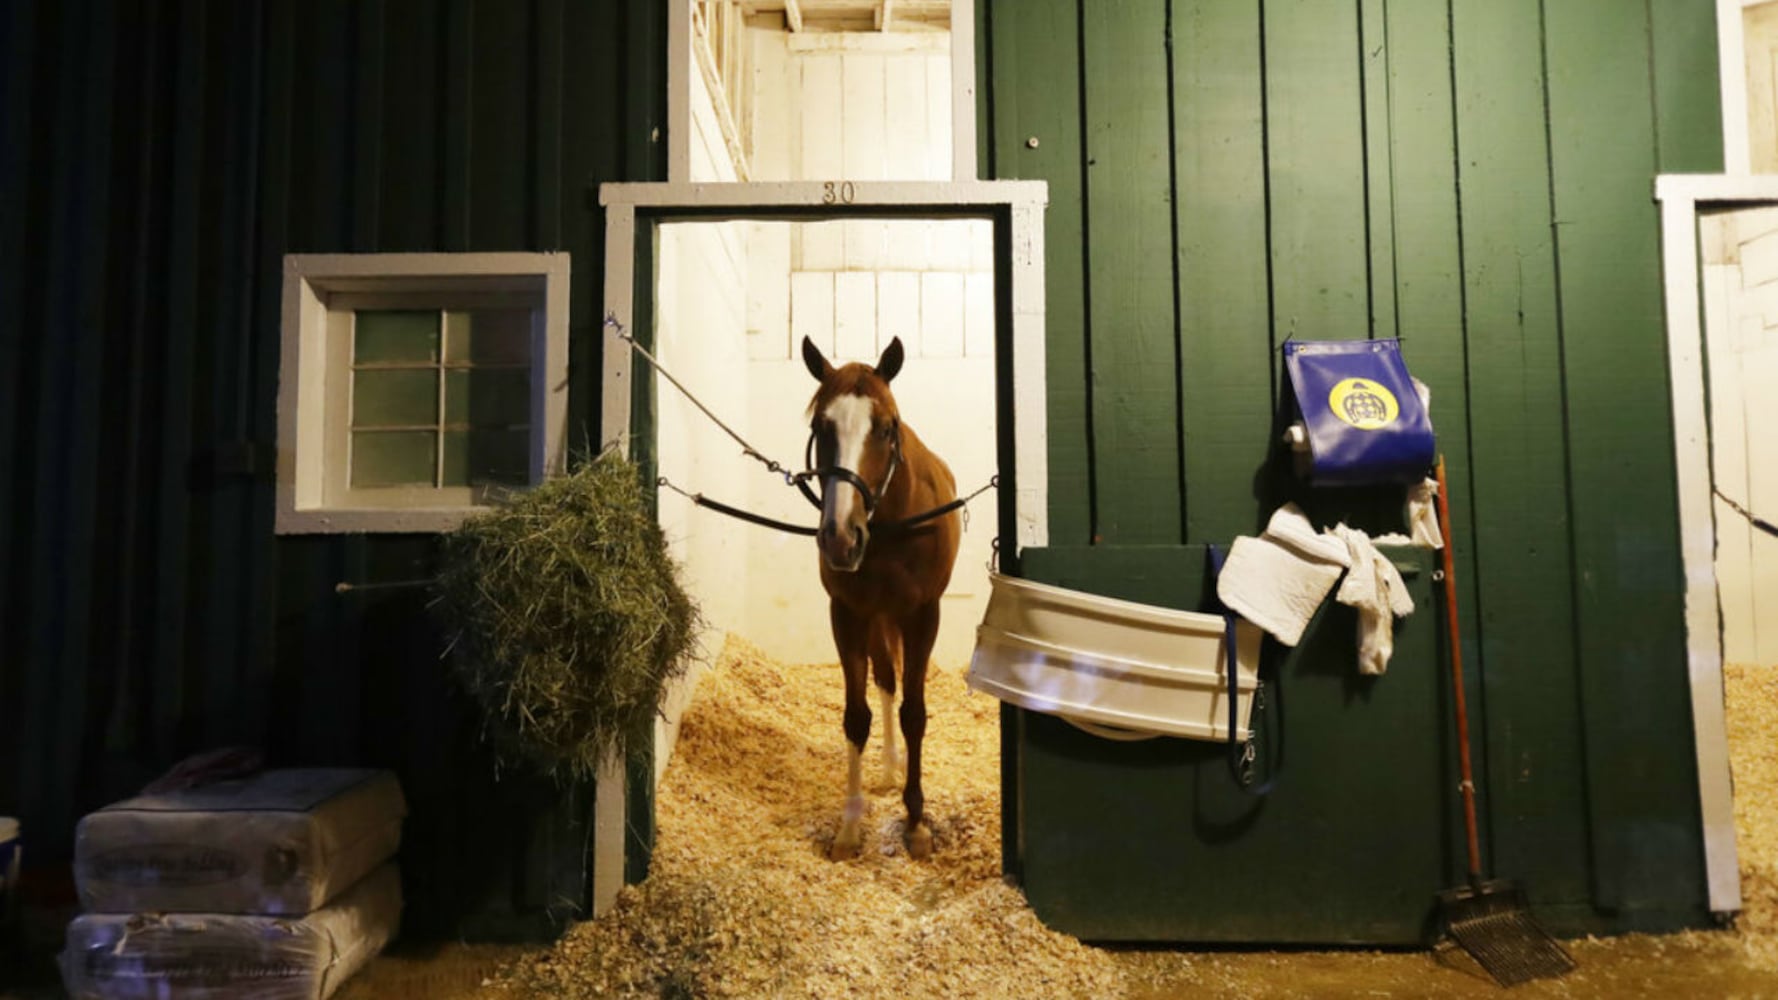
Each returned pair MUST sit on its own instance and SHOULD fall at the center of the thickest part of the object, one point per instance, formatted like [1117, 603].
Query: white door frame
[1680, 196]
[1017, 207]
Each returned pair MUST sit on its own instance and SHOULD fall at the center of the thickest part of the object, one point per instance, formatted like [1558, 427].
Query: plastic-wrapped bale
[225, 956]
[279, 843]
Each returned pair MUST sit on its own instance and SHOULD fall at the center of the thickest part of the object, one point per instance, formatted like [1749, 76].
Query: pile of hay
[566, 618]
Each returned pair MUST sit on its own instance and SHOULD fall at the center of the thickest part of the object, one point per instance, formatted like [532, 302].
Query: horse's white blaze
[891, 757]
[851, 427]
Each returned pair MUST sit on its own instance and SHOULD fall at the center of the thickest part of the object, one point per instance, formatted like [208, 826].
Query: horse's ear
[890, 362]
[817, 364]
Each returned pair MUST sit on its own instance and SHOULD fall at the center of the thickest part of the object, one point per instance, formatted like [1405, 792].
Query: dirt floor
[743, 902]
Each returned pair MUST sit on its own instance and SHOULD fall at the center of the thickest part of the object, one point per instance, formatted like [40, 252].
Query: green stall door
[1154, 841]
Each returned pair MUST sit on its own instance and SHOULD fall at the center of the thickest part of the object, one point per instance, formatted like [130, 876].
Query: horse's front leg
[918, 631]
[851, 638]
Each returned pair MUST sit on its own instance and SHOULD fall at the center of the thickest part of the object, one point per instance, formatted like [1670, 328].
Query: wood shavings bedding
[1753, 754]
[742, 901]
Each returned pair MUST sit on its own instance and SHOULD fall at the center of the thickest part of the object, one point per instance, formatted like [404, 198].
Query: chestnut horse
[883, 592]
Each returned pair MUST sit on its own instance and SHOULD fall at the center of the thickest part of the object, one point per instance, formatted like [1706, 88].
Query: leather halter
[831, 472]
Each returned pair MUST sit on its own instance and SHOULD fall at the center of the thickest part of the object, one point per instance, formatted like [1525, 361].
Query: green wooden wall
[1474, 177]
[157, 160]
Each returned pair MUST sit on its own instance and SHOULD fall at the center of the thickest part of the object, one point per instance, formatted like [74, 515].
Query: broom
[1489, 918]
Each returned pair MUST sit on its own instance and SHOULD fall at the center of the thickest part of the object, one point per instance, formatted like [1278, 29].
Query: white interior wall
[863, 107]
[700, 336]
[1740, 294]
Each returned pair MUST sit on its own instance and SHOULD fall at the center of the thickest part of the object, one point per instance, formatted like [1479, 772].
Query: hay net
[565, 617]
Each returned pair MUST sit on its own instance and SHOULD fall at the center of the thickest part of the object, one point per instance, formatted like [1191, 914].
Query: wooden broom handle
[1468, 784]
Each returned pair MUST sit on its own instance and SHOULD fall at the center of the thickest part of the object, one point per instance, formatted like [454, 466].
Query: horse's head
[856, 438]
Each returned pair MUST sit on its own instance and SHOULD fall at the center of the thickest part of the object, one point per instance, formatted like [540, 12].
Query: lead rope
[1753, 519]
[1243, 754]
[746, 449]
[796, 479]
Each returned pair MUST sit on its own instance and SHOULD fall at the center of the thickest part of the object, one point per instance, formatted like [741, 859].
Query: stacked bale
[277, 885]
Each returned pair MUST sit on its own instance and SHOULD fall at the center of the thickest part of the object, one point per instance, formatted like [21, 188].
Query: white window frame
[320, 290]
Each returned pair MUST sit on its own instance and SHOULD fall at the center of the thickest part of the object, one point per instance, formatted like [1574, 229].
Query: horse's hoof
[919, 841]
[846, 845]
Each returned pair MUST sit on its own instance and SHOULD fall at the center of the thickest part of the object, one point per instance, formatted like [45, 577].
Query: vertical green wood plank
[459, 88]
[408, 189]
[1688, 101]
[177, 247]
[120, 388]
[255, 387]
[1319, 250]
[1225, 342]
[984, 90]
[65, 487]
[547, 115]
[592, 153]
[1642, 786]
[279, 203]
[324, 674]
[323, 109]
[367, 83]
[1379, 164]
[1518, 492]
[277, 71]
[645, 91]
[1035, 50]
[500, 127]
[1428, 294]
[18, 67]
[235, 702]
[1314, 121]
[1129, 273]
[206, 133]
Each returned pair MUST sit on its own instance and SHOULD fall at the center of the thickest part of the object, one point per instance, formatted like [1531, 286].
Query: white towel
[1423, 514]
[1373, 586]
[1277, 580]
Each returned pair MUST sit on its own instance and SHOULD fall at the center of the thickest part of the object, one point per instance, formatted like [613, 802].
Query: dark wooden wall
[157, 160]
[1474, 177]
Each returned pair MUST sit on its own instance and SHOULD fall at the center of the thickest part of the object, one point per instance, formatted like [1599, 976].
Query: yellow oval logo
[1363, 403]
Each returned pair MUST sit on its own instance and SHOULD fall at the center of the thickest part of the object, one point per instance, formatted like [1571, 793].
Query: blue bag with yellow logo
[1365, 421]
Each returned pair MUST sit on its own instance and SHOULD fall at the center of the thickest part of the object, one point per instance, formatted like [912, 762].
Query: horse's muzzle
[842, 549]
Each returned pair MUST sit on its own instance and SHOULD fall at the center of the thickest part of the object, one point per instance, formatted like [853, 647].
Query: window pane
[488, 336]
[387, 335]
[398, 398]
[393, 458]
[481, 457]
[500, 397]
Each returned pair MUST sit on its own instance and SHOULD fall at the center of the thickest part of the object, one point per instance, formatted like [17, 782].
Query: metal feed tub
[1100, 662]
